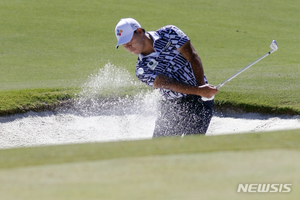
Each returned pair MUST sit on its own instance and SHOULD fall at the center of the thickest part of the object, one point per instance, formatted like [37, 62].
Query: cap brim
[125, 39]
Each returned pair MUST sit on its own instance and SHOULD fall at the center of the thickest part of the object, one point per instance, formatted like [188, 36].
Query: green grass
[208, 167]
[49, 48]
[57, 44]
[19, 101]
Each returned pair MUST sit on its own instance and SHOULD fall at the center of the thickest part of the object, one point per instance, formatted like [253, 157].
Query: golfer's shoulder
[168, 28]
[171, 31]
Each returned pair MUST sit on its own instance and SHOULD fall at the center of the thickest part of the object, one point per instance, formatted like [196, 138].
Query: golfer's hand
[207, 90]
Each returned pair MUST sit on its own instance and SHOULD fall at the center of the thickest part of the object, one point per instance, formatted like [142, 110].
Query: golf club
[274, 48]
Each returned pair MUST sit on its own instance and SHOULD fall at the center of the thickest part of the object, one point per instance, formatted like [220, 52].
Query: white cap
[125, 29]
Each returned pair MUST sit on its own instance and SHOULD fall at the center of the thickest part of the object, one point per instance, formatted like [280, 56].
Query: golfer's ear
[139, 31]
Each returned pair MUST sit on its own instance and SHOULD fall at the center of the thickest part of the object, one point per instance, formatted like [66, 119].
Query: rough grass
[19, 101]
[21, 157]
[193, 167]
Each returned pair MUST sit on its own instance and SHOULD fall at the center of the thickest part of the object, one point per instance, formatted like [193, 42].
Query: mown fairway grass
[195, 167]
[57, 44]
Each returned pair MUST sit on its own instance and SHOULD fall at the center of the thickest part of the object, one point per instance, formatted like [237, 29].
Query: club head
[274, 45]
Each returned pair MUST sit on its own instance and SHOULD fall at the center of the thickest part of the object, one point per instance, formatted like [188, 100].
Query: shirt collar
[155, 36]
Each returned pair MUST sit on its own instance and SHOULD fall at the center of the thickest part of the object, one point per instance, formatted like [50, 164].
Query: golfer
[168, 61]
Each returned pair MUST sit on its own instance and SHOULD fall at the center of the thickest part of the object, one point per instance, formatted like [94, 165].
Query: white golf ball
[140, 70]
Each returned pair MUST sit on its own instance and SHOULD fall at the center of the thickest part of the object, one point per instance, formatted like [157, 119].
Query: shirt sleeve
[177, 37]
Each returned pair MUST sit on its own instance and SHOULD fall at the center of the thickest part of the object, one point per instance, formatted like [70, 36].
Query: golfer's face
[135, 45]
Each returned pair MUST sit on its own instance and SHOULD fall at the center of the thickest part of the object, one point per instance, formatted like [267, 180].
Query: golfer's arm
[189, 52]
[165, 82]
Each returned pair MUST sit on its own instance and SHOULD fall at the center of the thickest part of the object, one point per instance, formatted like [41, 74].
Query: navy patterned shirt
[166, 60]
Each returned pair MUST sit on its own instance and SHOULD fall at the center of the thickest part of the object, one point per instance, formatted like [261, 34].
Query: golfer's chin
[135, 52]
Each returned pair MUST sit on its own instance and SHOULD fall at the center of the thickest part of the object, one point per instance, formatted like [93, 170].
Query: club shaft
[245, 68]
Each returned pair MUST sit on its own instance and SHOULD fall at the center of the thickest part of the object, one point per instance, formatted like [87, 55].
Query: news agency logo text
[264, 188]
